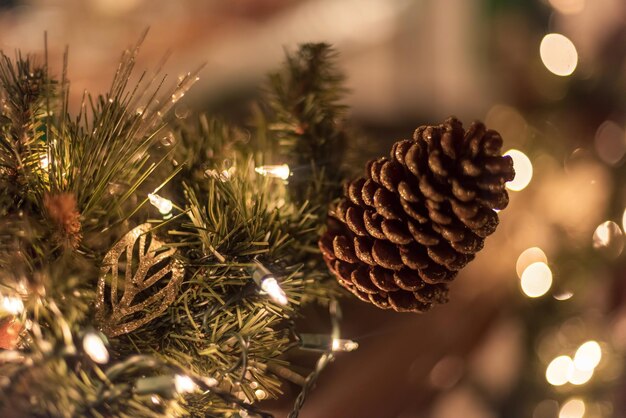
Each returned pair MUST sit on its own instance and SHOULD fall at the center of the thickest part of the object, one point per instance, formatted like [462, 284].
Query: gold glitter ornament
[144, 270]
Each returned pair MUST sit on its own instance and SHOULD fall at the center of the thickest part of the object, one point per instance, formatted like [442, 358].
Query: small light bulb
[162, 204]
[260, 394]
[44, 162]
[95, 349]
[344, 345]
[270, 285]
[184, 384]
[12, 305]
[281, 171]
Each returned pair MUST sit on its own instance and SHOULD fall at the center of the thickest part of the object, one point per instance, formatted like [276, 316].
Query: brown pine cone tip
[400, 234]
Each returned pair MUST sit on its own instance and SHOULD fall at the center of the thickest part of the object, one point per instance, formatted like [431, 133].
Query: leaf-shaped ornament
[139, 279]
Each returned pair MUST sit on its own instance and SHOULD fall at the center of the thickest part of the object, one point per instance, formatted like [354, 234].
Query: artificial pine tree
[153, 267]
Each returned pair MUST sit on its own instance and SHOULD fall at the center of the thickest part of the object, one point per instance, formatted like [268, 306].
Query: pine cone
[402, 233]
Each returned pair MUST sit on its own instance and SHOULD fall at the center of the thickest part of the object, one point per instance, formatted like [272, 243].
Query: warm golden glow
[344, 345]
[536, 280]
[568, 7]
[184, 384]
[624, 220]
[527, 257]
[11, 304]
[579, 377]
[523, 170]
[558, 54]
[272, 288]
[608, 236]
[588, 356]
[95, 348]
[559, 370]
[162, 204]
[573, 408]
[279, 171]
[260, 394]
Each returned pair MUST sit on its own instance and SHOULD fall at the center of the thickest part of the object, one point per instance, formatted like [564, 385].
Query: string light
[164, 205]
[523, 170]
[272, 288]
[559, 370]
[536, 280]
[95, 348]
[260, 394]
[344, 345]
[266, 280]
[325, 342]
[281, 171]
[44, 162]
[588, 356]
[12, 305]
[184, 384]
[558, 54]
[573, 408]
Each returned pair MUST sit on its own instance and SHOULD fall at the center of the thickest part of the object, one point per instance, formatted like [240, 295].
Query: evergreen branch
[307, 120]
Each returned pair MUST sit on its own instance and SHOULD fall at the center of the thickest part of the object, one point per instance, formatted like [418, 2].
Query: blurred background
[536, 326]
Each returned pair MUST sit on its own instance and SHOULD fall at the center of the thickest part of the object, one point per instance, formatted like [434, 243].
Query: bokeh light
[588, 356]
[527, 257]
[608, 237]
[568, 7]
[558, 54]
[624, 220]
[559, 370]
[579, 377]
[523, 170]
[572, 408]
[610, 142]
[536, 280]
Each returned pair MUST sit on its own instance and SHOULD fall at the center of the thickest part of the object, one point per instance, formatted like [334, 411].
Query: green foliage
[227, 220]
[307, 121]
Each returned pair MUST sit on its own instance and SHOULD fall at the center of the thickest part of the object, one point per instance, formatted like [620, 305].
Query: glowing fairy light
[624, 220]
[95, 348]
[558, 54]
[536, 280]
[260, 394]
[281, 171]
[162, 204]
[527, 257]
[559, 370]
[266, 280]
[588, 356]
[184, 384]
[523, 170]
[344, 345]
[272, 288]
[44, 162]
[572, 408]
[12, 305]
